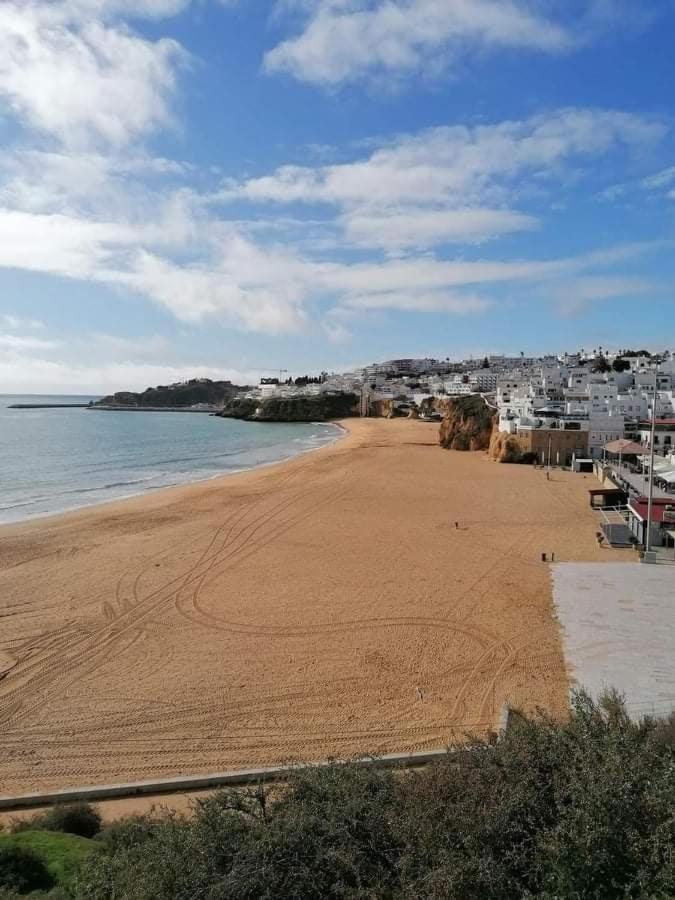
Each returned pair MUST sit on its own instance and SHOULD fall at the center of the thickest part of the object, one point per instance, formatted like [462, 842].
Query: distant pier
[48, 406]
[112, 408]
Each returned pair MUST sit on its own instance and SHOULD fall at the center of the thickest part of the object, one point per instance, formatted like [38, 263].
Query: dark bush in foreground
[581, 810]
[22, 871]
[81, 819]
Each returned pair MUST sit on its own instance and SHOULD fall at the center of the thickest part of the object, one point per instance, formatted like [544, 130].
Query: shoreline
[342, 432]
[325, 606]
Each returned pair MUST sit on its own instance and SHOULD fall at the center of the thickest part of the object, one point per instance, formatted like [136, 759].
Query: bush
[22, 870]
[81, 819]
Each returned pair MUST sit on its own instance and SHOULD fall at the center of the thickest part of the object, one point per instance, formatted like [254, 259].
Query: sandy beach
[326, 606]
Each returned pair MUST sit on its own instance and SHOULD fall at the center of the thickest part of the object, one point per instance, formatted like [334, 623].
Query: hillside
[317, 408]
[185, 393]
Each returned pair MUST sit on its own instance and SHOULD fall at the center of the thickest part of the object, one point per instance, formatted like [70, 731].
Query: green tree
[600, 364]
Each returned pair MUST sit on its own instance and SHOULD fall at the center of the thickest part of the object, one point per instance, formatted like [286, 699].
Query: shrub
[22, 870]
[81, 819]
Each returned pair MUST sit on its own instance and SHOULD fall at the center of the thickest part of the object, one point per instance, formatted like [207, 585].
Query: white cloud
[344, 40]
[447, 162]
[18, 323]
[25, 374]
[450, 184]
[660, 179]
[245, 286]
[124, 219]
[58, 245]
[21, 342]
[149, 9]
[420, 301]
[575, 294]
[79, 79]
[421, 228]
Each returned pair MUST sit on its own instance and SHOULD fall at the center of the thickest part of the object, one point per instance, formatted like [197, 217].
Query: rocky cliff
[505, 448]
[390, 409]
[467, 423]
[317, 408]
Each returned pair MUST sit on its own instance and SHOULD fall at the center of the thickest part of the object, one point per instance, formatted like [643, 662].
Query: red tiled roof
[623, 445]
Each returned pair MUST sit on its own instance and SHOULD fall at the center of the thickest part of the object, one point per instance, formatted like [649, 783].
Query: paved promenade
[638, 483]
[619, 631]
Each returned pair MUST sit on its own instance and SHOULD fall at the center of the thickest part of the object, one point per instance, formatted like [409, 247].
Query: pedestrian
[456, 525]
[552, 557]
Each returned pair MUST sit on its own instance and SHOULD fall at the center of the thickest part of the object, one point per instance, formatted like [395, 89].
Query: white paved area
[618, 622]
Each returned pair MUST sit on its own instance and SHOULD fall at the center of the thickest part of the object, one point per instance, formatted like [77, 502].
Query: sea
[55, 460]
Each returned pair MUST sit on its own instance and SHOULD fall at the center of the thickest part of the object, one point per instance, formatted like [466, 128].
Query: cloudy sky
[219, 187]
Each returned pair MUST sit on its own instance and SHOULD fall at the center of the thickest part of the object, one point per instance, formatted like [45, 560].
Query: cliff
[314, 408]
[467, 423]
[188, 393]
[505, 448]
[389, 409]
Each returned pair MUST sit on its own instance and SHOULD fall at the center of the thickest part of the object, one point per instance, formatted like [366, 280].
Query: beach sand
[326, 606]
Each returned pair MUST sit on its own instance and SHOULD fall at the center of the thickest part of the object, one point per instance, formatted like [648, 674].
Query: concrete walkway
[618, 622]
[638, 483]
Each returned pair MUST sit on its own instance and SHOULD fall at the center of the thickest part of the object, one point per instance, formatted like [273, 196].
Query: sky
[223, 188]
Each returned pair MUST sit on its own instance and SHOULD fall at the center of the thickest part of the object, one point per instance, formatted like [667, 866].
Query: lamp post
[650, 498]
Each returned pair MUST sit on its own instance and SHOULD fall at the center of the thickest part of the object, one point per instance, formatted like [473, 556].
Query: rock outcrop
[505, 448]
[467, 424]
[312, 408]
[389, 409]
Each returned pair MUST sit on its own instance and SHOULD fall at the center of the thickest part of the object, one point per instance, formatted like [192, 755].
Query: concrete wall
[564, 444]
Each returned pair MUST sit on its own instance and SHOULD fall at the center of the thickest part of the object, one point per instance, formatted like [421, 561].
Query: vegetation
[585, 809]
[81, 819]
[42, 860]
[21, 869]
[600, 364]
[293, 409]
[186, 393]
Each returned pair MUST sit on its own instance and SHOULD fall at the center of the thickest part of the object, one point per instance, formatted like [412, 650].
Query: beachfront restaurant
[662, 530]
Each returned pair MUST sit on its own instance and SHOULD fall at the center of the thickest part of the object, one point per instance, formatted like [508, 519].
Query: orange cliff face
[468, 423]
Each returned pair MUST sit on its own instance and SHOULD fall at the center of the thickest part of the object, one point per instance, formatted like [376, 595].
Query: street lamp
[651, 464]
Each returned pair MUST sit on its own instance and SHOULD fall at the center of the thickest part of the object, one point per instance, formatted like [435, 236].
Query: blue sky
[218, 187]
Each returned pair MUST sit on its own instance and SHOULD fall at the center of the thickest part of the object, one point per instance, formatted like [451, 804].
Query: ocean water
[54, 460]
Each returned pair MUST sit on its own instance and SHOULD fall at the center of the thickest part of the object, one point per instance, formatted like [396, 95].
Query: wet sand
[326, 606]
